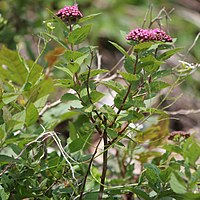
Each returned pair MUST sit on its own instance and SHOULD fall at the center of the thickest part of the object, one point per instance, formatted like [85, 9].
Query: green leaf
[78, 144]
[70, 55]
[142, 46]
[177, 184]
[132, 116]
[152, 167]
[72, 131]
[129, 65]
[156, 86]
[79, 35]
[73, 67]
[129, 77]
[43, 88]
[108, 111]
[112, 133]
[161, 74]
[93, 72]
[120, 49]
[96, 96]
[69, 97]
[149, 63]
[3, 194]
[66, 70]
[168, 54]
[191, 151]
[57, 40]
[89, 17]
[31, 115]
[2, 133]
[140, 193]
[12, 66]
[6, 159]
[35, 71]
[6, 114]
[165, 174]
[9, 97]
[116, 86]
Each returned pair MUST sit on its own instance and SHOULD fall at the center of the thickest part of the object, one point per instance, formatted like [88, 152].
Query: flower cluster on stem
[69, 13]
[145, 35]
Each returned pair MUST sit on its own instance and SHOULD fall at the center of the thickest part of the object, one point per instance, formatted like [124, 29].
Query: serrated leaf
[120, 49]
[142, 46]
[165, 174]
[129, 65]
[35, 71]
[89, 17]
[57, 40]
[168, 54]
[129, 77]
[152, 167]
[9, 97]
[116, 86]
[70, 55]
[31, 114]
[112, 133]
[69, 97]
[191, 151]
[66, 83]
[6, 114]
[161, 74]
[149, 63]
[69, 74]
[12, 66]
[140, 193]
[93, 72]
[72, 131]
[177, 184]
[78, 144]
[6, 159]
[2, 133]
[73, 67]
[78, 35]
[132, 116]
[156, 86]
[96, 96]
[4, 195]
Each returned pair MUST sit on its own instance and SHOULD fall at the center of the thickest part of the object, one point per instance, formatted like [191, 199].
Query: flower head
[145, 35]
[69, 13]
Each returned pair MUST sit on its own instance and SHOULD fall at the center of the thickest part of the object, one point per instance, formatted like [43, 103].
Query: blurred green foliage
[25, 17]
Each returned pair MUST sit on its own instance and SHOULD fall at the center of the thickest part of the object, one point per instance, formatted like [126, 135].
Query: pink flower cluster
[145, 35]
[69, 12]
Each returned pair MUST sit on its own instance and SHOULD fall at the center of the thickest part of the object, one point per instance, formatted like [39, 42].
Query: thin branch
[194, 43]
[88, 170]
[183, 112]
[105, 165]
[48, 106]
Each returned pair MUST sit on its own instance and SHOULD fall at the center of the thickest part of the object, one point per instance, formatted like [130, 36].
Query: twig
[48, 106]
[105, 165]
[147, 13]
[159, 17]
[183, 112]
[194, 43]
[88, 170]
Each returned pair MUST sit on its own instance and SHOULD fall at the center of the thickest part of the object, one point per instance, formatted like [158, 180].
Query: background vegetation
[37, 120]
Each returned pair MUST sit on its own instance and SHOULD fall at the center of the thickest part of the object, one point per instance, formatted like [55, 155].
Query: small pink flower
[145, 35]
[69, 13]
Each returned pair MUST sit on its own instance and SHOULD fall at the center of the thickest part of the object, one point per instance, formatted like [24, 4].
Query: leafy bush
[139, 157]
